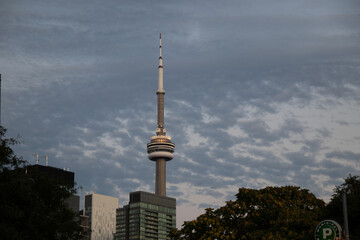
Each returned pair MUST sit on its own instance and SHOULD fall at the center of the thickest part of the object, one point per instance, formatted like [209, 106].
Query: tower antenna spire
[160, 149]
[161, 80]
[160, 95]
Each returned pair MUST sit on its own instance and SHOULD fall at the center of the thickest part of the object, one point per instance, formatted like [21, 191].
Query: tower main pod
[160, 149]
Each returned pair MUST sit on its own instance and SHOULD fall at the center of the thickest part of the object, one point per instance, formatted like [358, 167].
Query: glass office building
[148, 216]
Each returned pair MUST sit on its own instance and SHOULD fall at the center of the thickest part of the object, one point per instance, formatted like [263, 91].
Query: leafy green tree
[32, 206]
[270, 213]
[334, 210]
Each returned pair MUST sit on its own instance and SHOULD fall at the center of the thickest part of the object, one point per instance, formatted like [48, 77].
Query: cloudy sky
[258, 93]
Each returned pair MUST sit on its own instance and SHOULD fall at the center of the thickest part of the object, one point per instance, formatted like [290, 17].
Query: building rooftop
[152, 198]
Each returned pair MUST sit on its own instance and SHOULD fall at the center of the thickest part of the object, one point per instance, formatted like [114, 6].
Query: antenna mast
[46, 160]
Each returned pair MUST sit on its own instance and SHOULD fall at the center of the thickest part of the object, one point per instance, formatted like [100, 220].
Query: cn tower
[160, 149]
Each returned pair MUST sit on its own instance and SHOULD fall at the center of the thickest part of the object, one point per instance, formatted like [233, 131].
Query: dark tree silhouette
[334, 210]
[271, 213]
[32, 205]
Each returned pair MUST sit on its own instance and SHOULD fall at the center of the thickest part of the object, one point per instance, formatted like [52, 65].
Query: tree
[32, 205]
[8, 160]
[334, 210]
[270, 213]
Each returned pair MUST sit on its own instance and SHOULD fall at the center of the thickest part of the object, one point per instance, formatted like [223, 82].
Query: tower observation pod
[160, 149]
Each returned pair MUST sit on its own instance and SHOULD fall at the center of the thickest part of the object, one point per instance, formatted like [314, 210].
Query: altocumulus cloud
[257, 93]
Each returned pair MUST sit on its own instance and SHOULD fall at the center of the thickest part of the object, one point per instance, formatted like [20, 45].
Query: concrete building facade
[101, 210]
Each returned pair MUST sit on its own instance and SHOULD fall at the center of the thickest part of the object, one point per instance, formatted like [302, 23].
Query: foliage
[270, 213]
[32, 206]
[8, 160]
[334, 210]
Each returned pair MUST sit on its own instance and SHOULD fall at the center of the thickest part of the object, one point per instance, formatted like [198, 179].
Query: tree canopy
[32, 205]
[270, 213]
[334, 210]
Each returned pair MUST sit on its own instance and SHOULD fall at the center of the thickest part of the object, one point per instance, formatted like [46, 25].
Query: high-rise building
[62, 177]
[58, 175]
[149, 215]
[101, 210]
[65, 178]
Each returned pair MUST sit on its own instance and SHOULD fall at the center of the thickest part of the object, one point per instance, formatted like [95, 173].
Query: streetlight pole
[346, 224]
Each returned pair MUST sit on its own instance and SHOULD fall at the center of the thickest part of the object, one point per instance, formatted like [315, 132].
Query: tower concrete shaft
[160, 149]
[160, 177]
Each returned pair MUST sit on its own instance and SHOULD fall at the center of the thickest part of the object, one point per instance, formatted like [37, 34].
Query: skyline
[259, 93]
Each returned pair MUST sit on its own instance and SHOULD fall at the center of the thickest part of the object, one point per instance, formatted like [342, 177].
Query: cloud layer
[257, 93]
